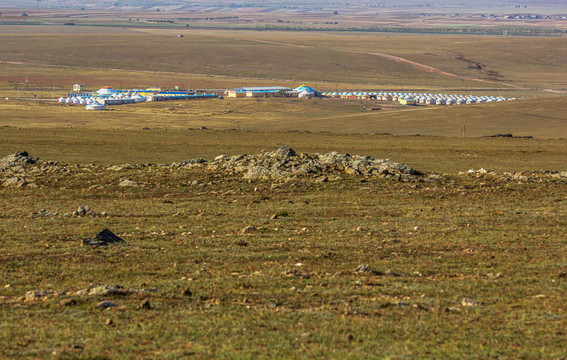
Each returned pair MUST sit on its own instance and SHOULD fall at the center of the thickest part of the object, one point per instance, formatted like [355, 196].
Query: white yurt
[96, 107]
[106, 91]
[306, 94]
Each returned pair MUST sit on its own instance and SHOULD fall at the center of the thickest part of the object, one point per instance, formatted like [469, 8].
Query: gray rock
[105, 305]
[37, 294]
[248, 230]
[83, 211]
[128, 183]
[14, 182]
[257, 172]
[365, 269]
[17, 159]
[286, 163]
[362, 269]
[193, 162]
[145, 305]
[103, 238]
[470, 302]
[103, 290]
[68, 302]
[284, 151]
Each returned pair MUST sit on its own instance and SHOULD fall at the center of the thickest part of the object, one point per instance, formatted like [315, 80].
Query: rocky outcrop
[285, 163]
[13, 170]
[21, 158]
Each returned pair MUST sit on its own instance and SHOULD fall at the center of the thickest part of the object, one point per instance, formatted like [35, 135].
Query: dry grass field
[541, 118]
[331, 264]
[219, 266]
[372, 60]
[440, 154]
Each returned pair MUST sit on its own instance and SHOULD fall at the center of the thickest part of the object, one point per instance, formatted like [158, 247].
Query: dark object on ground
[511, 136]
[103, 238]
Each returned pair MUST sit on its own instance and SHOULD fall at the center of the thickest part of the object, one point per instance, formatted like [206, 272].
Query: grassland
[464, 266]
[288, 288]
[541, 118]
[441, 154]
[373, 60]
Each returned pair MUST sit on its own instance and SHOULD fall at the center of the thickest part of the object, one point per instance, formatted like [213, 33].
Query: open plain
[312, 253]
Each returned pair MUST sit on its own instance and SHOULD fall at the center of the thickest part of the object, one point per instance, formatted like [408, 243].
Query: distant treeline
[209, 18]
[472, 31]
[160, 21]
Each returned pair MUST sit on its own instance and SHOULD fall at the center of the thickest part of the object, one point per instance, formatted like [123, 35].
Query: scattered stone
[145, 305]
[128, 183]
[452, 309]
[248, 230]
[470, 302]
[14, 182]
[320, 179]
[103, 238]
[68, 302]
[109, 322]
[37, 295]
[364, 268]
[83, 211]
[105, 305]
[197, 161]
[103, 290]
[43, 213]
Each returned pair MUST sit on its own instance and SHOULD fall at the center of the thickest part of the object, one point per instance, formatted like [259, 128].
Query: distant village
[107, 96]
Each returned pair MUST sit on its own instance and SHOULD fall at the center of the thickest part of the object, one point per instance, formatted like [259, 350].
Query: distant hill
[173, 4]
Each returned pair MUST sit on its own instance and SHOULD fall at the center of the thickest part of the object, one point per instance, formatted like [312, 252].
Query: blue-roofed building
[257, 91]
[306, 91]
[304, 88]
